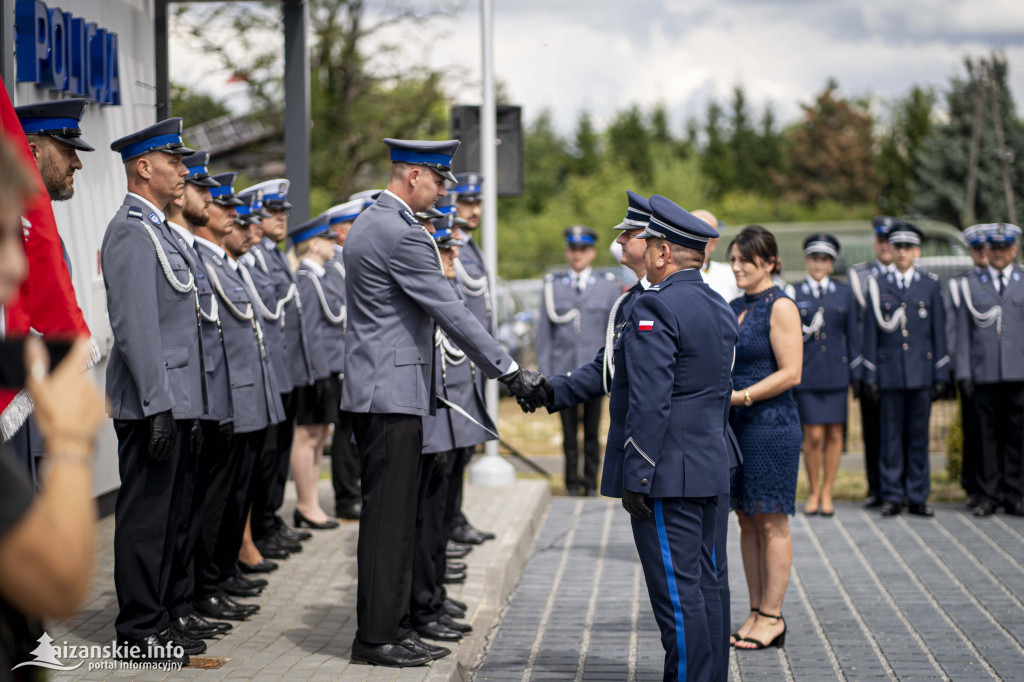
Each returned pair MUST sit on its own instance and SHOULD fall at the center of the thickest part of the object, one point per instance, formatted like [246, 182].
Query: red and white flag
[645, 326]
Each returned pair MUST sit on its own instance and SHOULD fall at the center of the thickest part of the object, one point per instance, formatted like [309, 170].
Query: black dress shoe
[388, 655]
[271, 550]
[349, 512]
[294, 535]
[485, 534]
[920, 510]
[456, 603]
[449, 622]
[984, 508]
[467, 536]
[454, 577]
[262, 567]
[439, 631]
[873, 501]
[292, 546]
[456, 565]
[457, 550]
[154, 647]
[416, 645]
[221, 607]
[891, 508]
[299, 521]
[453, 610]
[236, 589]
[1014, 508]
[197, 627]
[250, 582]
[973, 500]
[179, 638]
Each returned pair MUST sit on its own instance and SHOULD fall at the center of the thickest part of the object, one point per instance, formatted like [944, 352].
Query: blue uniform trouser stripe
[673, 591]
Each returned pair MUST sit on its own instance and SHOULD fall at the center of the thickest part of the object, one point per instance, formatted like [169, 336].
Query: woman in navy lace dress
[769, 357]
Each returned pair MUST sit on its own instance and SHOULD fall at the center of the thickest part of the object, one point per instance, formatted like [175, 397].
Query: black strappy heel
[734, 637]
[779, 641]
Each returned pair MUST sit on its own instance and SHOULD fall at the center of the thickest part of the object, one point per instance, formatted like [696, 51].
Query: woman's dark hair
[755, 241]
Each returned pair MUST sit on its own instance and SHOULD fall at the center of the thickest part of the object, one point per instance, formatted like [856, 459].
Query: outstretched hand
[530, 388]
[543, 397]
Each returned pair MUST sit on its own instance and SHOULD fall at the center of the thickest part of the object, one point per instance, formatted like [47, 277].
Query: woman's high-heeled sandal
[779, 641]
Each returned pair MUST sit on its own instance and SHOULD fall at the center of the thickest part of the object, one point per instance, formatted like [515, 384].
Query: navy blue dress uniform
[831, 329]
[859, 275]
[156, 387]
[572, 327]
[344, 457]
[397, 294]
[975, 238]
[905, 359]
[990, 365]
[674, 363]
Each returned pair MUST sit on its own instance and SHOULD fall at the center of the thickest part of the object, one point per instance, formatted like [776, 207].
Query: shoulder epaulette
[409, 217]
[135, 212]
[933, 276]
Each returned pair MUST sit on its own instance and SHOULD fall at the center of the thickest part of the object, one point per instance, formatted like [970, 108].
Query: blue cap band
[343, 218]
[34, 125]
[139, 148]
[274, 197]
[584, 239]
[467, 189]
[221, 191]
[196, 170]
[409, 156]
[309, 233]
[450, 208]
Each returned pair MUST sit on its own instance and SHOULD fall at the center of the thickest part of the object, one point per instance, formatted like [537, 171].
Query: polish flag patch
[645, 326]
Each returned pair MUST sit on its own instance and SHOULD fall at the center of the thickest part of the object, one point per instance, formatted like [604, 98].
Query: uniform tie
[817, 290]
[1000, 284]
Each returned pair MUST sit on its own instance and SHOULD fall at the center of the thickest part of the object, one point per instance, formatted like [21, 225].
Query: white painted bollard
[492, 471]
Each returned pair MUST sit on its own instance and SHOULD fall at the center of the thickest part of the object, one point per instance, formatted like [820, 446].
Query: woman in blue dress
[828, 314]
[769, 357]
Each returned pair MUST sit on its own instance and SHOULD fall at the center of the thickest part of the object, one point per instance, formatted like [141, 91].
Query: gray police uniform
[571, 332]
[990, 324]
[153, 368]
[316, 410]
[396, 294]
[968, 414]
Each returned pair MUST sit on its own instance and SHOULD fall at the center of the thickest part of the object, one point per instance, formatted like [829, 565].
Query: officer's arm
[869, 347]
[311, 322]
[963, 342]
[129, 266]
[415, 267]
[581, 385]
[853, 341]
[941, 356]
[650, 358]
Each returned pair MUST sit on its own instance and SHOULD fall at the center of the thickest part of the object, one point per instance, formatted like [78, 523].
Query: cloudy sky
[603, 55]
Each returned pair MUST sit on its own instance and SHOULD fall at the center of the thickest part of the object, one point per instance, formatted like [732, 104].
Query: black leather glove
[939, 390]
[439, 465]
[872, 392]
[635, 504]
[195, 438]
[858, 386]
[226, 430]
[525, 383]
[543, 398]
[161, 436]
[967, 388]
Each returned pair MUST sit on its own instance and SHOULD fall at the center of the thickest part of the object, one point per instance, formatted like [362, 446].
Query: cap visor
[178, 150]
[470, 197]
[231, 200]
[203, 182]
[76, 142]
[647, 234]
[447, 175]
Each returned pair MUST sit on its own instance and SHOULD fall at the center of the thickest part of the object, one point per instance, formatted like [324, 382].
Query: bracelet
[747, 400]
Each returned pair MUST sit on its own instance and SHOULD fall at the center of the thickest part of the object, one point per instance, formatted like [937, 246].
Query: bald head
[711, 220]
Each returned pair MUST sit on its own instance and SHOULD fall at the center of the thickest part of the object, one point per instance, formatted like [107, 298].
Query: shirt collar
[183, 232]
[1005, 272]
[213, 247]
[885, 268]
[907, 276]
[159, 212]
[314, 267]
[398, 199]
[645, 283]
[583, 276]
[823, 283]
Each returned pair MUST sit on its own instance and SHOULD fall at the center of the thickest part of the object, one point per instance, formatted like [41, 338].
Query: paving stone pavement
[902, 598]
[305, 627]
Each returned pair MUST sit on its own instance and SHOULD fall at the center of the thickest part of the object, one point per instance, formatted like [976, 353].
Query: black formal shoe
[271, 550]
[453, 610]
[984, 508]
[299, 521]
[587, 492]
[348, 512]
[920, 510]
[457, 550]
[973, 500]
[439, 631]
[467, 536]
[449, 622]
[416, 645]
[262, 567]
[485, 534]
[294, 535]
[236, 589]
[873, 501]
[153, 647]
[388, 655]
[891, 508]
[222, 607]
[454, 577]
[1014, 508]
[251, 608]
[197, 627]
[188, 645]
[461, 605]
[291, 546]
[456, 565]
[250, 582]
[572, 491]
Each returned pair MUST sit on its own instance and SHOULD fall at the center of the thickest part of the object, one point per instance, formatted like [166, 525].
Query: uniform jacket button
[145, 403]
[906, 346]
[643, 481]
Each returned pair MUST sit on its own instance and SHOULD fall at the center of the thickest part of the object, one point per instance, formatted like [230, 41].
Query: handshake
[531, 389]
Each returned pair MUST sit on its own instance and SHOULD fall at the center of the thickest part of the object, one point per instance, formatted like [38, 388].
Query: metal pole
[492, 469]
[161, 55]
[7, 46]
[296, 112]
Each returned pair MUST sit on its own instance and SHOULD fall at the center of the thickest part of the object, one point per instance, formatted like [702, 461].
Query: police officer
[990, 369]
[869, 416]
[396, 295]
[677, 347]
[154, 379]
[573, 322]
[978, 249]
[344, 458]
[906, 364]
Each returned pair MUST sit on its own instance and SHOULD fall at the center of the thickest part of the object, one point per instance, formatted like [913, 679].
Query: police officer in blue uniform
[978, 250]
[829, 318]
[573, 324]
[990, 369]
[675, 359]
[906, 365]
[858, 275]
[154, 379]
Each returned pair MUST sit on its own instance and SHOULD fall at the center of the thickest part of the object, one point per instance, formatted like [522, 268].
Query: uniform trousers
[570, 444]
[720, 558]
[903, 466]
[871, 430]
[389, 455]
[344, 461]
[454, 518]
[429, 563]
[971, 445]
[676, 545]
[1000, 410]
[266, 522]
[147, 517]
[228, 497]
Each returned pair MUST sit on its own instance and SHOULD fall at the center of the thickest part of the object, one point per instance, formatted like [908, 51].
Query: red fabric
[46, 301]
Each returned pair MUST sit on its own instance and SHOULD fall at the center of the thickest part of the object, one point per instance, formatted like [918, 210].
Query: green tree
[586, 146]
[195, 107]
[716, 157]
[910, 125]
[629, 142]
